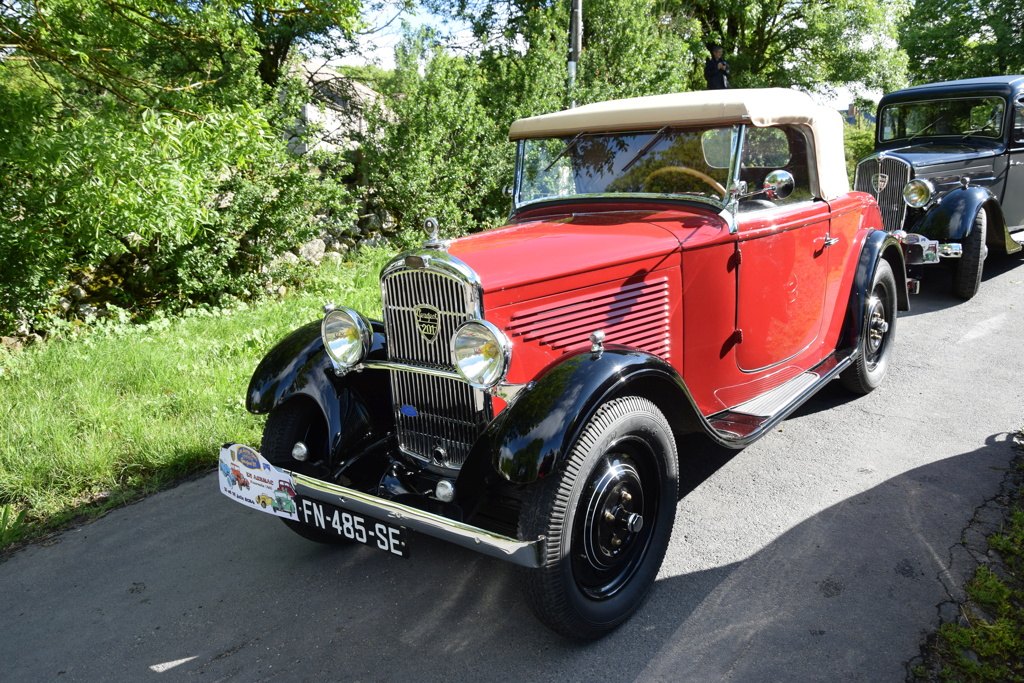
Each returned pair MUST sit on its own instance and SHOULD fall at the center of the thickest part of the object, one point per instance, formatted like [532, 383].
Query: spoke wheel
[967, 273]
[877, 335]
[607, 518]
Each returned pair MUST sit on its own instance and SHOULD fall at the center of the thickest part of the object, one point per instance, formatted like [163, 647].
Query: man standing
[716, 70]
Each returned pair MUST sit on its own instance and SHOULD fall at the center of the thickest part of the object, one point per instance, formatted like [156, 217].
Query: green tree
[950, 39]
[807, 43]
[811, 44]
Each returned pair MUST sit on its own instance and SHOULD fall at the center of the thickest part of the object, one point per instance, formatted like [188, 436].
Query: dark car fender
[952, 217]
[533, 436]
[878, 245]
[298, 366]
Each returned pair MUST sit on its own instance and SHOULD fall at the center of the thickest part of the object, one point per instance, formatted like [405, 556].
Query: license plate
[354, 527]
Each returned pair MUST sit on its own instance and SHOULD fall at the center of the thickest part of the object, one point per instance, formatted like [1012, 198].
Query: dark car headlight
[918, 192]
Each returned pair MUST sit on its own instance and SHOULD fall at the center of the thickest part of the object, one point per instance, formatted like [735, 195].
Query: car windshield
[969, 117]
[691, 161]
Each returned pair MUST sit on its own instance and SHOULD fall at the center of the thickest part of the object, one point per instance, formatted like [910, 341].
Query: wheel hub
[878, 326]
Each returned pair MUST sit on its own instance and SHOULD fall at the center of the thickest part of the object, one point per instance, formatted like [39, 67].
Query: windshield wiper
[978, 130]
[650, 143]
[565, 150]
[921, 132]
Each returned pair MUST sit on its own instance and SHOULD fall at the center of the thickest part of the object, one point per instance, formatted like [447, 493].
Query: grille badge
[428, 321]
[879, 181]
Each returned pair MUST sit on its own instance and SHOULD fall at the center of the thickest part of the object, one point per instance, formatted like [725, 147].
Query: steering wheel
[664, 174]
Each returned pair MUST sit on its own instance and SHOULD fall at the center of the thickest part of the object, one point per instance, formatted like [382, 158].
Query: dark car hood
[933, 154]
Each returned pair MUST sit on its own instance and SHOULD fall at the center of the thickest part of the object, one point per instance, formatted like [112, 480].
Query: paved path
[824, 552]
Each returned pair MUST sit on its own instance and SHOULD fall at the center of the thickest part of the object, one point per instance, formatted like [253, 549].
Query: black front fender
[298, 366]
[534, 434]
[952, 217]
[878, 245]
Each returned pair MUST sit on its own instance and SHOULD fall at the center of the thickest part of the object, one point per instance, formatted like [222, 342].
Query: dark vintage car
[689, 265]
[948, 169]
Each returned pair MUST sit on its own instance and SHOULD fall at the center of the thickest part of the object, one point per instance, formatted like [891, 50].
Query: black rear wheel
[607, 517]
[967, 273]
[877, 334]
[287, 424]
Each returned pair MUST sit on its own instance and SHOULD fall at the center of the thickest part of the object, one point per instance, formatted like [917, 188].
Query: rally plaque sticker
[250, 480]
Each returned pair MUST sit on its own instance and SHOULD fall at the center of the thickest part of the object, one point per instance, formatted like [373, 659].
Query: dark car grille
[438, 418]
[890, 198]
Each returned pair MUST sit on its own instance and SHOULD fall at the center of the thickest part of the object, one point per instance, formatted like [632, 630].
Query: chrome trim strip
[504, 391]
[523, 553]
[439, 261]
[624, 195]
[743, 441]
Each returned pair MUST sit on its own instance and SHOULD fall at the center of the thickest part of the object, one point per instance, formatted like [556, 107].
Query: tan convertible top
[757, 107]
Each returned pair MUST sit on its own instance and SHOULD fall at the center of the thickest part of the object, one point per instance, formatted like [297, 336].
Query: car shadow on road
[194, 581]
[937, 283]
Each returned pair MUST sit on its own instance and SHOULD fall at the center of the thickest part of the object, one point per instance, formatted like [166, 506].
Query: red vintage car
[673, 265]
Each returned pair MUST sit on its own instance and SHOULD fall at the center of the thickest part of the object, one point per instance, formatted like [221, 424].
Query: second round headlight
[481, 353]
[346, 336]
[918, 192]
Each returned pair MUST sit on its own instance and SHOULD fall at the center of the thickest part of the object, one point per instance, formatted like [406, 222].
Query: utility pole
[575, 44]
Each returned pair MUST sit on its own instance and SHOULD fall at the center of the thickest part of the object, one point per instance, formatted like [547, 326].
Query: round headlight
[481, 353]
[346, 336]
[918, 192]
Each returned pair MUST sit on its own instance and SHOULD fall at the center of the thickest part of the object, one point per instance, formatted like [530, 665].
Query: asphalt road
[824, 552]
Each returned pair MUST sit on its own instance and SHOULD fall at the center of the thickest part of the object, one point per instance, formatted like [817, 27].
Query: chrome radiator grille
[438, 418]
[896, 174]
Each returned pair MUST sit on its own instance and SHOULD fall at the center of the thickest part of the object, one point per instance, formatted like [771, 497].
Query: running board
[741, 424]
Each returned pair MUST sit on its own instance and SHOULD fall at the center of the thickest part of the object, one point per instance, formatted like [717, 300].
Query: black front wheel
[967, 273]
[877, 334]
[607, 517]
[287, 424]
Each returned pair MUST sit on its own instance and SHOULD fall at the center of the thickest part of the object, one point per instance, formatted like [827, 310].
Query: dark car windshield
[969, 117]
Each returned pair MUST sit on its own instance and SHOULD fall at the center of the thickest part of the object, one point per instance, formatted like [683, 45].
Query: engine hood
[933, 154]
[555, 246]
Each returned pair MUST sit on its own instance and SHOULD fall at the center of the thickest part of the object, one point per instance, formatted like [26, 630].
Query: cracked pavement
[827, 551]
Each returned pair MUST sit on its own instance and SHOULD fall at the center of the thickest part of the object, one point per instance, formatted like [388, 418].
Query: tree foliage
[810, 44]
[144, 156]
[950, 39]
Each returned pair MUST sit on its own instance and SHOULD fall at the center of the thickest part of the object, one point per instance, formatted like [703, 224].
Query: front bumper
[918, 249]
[262, 475]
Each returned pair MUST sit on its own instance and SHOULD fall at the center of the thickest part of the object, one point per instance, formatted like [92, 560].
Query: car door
[1013, 194]
[783, 259]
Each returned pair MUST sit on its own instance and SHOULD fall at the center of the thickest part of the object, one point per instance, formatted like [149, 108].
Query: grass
[987, 643]
[119, 411]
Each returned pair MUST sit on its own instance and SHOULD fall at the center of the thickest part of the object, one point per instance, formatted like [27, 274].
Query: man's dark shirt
[717, 78]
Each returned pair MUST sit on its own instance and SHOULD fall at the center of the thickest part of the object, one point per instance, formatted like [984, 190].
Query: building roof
[758, 107]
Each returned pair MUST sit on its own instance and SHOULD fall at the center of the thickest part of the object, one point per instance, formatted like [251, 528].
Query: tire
[967, 273]
[877, 334]
[607, 515]
[292, 421]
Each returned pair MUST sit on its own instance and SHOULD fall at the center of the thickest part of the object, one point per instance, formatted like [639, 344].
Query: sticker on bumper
[247, 478]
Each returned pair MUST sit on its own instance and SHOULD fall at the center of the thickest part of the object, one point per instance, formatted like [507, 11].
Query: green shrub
[152, 210]
[859, 141]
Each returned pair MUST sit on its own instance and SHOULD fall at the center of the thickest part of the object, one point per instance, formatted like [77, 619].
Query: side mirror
[779, 184]
[507, 190]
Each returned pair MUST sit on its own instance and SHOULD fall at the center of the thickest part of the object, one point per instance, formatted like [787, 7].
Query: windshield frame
[928, 129]
[726, 203]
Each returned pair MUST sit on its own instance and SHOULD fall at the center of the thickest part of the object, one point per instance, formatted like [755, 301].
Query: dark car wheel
[288, 423]
[607, 516]
[878, 332]
[967, 273]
